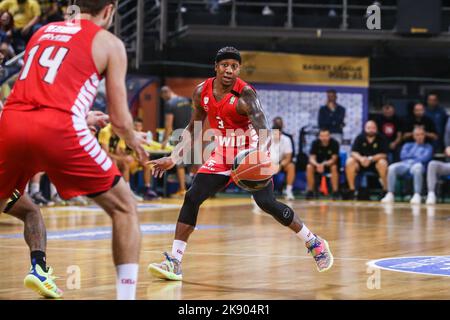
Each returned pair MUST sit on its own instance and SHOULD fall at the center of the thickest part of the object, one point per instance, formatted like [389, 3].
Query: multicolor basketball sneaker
[321, 253]
[42, 282]
[169, 269]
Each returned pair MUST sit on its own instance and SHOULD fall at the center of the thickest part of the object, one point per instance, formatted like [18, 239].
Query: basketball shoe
[169, 269]
[321, 253]
[42, 282]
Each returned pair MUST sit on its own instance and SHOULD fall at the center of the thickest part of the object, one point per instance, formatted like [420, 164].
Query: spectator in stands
[131, 165]
[26, 15]
[51, 11]
[6, 29]
[332, 115]
[414, 158]
[420, 119]
[390, 126]
[369, 153]
[281, 152]
[177, 112]
[323, 158]
[278, 122]
[439, 117]
[437, 169]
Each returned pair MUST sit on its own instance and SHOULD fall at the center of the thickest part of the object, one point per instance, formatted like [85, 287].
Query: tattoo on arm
[250, 106]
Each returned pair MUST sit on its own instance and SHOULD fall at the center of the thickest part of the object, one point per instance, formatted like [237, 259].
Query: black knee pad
[192, 201]
[281, 212]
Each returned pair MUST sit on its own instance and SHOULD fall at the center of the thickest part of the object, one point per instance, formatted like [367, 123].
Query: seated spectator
[390, 126]
[439, 117]
[109, 141]
[131, 165]
[281, 153]
[323, 158]
[26, 15]
[369, 153]
[414, 159]
[6, 29]
[51, 11]
[278, 122]
[332, 115]
[437, 169]
[420, 119]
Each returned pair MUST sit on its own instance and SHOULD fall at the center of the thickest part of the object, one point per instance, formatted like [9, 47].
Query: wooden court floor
[237, 254]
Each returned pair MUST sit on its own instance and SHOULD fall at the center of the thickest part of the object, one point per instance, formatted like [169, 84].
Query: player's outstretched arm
[198, 114]
[250, 106]
[111, 60]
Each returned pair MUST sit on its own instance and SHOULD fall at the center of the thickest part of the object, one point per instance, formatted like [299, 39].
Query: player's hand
[97, 118]
[159, 166]
[136, 142]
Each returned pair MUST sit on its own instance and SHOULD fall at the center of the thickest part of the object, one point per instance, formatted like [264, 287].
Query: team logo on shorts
[205, 100]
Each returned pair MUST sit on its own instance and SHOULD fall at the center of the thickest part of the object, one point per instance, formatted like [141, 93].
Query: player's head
[324, 136]
[102, 9]
[388, 110]
[228, 65]
[419, 135]
[166, 93]
[419, 110]
[370, 128]
[138, 125]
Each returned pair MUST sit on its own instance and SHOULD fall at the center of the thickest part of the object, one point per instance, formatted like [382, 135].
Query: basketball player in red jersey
[232, 108]
[64, 63]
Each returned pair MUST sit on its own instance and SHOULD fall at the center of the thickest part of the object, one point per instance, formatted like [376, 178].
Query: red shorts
[220, 161]
[54, 142]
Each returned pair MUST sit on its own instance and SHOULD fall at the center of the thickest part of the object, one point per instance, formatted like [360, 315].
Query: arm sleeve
[404, 153]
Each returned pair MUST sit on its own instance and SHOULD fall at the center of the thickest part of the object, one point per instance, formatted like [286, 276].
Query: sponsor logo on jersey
[55, 37]
[63, 29]
[232, 100]
[205, 100]
[232, 141]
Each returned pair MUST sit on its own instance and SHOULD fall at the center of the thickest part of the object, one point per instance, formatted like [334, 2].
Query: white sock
[178, 249]
[289, 188]
[34, 187]
[305, 234]
[126, 282]
[53, 191]
[431, 194]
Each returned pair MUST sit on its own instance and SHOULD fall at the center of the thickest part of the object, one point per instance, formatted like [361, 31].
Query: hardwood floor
[237, 254]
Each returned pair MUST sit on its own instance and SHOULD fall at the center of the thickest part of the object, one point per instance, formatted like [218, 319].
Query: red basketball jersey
[59, 70]
[234, 130]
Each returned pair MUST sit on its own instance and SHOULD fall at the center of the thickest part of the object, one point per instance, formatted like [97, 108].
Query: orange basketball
[252, 170]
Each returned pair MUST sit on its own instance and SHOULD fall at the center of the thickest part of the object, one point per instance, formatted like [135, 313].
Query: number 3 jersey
[233, 131]
[59, 70]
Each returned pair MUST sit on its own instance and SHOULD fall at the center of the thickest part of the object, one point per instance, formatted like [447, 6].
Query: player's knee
[282, 213]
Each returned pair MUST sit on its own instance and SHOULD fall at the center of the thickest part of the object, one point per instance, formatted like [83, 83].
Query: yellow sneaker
[169, 269]
[42, 282]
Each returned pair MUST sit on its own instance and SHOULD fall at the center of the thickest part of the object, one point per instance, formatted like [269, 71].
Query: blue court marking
[102, 233]
[427, 265]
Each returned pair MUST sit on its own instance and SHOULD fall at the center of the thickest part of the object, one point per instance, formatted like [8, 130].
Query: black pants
[207, 185]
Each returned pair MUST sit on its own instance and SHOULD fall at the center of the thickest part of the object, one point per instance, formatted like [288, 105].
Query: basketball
[252, 170]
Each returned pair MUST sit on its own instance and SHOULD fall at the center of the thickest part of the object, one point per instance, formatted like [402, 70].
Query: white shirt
[279, 149]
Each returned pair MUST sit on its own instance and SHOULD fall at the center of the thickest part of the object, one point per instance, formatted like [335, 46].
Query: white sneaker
[289, 196]
[388, 198]
[78, 201]
[416, 199]
[431, 198]
[58, 200]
